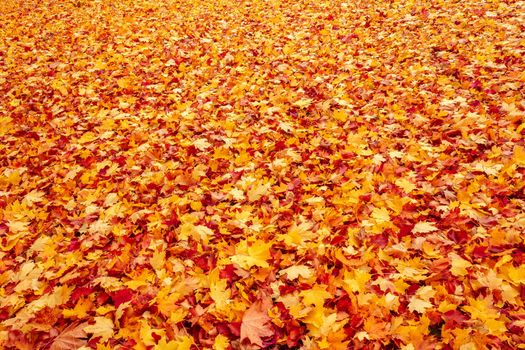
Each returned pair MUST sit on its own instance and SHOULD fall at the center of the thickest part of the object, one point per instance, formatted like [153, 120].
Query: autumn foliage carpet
[296, 174]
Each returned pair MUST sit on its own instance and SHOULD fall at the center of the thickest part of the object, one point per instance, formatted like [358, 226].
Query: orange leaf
[72, 337]
[256, 324]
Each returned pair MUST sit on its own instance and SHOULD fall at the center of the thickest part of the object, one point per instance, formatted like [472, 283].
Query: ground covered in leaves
[262, 174]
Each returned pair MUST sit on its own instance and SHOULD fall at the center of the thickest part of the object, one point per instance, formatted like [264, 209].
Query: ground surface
[262, 174]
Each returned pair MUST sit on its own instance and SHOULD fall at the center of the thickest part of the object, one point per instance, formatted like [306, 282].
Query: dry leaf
[256, 324]
[71, 338]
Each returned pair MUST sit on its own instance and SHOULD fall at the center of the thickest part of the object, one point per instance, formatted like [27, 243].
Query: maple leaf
[293, 272]
[201, 144]
[423, 227]
[380, 215]
[159, 170]
[33, 197]
[418, 305]
[221, 342]
[103, 328]
[71, 338]
[459, 265]
[303, 102]
[255, 324]
[254, 255]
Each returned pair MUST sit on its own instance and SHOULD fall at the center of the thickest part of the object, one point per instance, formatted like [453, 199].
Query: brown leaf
[256, 324]
[71, 338]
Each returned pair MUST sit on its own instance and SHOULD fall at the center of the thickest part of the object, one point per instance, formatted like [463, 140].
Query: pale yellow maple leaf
[33, 197]
[319, 322]
[424, 227]
[18, 226]
[147, 333]
[258, 190]
[219, 291]
[418, 305]
[201, 144]
[305, 102]
[102, 328]
[495, 327]
[198, 232]
[293, 272]
[380, 215]
[298, 234]
[459, 265]
[405, 184]
[254, 255]
[237, 194]
[111, 199]
[158, 260]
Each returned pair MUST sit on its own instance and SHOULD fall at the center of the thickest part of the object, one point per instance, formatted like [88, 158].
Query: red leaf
[121, 296]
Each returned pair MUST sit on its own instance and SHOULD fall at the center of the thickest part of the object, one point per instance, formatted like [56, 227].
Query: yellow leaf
[157, 260]
[220, 293]
[201, 144]
[33, 197]
[164, 345]
[519, 156]
[418, 305]
[198, 232]
[294, 271]
[459, 265]
[146, 334]
[18, 226]
[255, 255]
[298, 234]
[221, 342]
[424, 227]
[257, 191]
[340, 115]
[103, 328]
[80, 310]
[405, 185]
[178, 315]
[196, 205]
[124, 83]
[495, 327]
[288, 49]
[305, 102]
[479, 308]
[356, 280]
[87, 137]
[60, 85]
[380, 215]
[517, 274]
[315, 296]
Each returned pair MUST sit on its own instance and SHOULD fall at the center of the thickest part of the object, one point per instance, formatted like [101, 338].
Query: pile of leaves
[190, 174]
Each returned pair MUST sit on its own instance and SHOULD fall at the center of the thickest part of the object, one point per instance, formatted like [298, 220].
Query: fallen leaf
[103, 328]
[71, 338]
[255, 324]
[424, 227]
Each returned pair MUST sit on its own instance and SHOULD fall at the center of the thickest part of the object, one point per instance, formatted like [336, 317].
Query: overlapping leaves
[262, 174]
